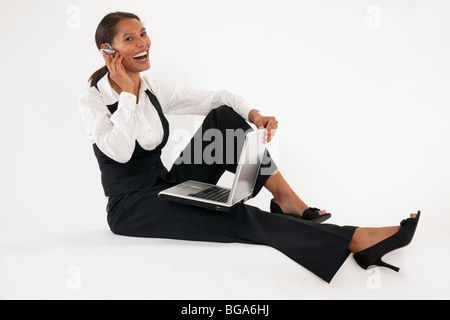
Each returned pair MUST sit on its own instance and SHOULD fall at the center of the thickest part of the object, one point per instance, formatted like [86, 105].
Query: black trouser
[321, 248]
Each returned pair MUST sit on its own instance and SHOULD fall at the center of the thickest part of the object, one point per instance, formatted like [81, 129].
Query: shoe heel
[381, 263]
[374, 255]
[275, 208]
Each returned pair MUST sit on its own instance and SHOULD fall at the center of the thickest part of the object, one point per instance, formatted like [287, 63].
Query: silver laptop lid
[248, 167]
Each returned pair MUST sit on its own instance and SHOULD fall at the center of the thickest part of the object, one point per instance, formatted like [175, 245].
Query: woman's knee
[225, 117]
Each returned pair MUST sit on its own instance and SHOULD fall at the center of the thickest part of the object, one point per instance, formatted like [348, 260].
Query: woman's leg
[285, 197]
[191, 164]
[216, 148]
[320, 248]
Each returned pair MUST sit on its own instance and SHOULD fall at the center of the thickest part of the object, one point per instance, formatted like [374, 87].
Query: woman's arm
[181, 100]
[115, 135]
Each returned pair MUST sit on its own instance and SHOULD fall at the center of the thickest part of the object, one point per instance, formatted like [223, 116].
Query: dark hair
[106, 31]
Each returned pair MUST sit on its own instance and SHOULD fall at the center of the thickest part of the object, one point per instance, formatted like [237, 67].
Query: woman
[124, 113]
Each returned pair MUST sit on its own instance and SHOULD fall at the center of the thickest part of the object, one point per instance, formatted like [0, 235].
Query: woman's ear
[105, 46]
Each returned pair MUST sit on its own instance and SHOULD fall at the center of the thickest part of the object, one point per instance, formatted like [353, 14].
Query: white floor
[95, 264]
[361, 93]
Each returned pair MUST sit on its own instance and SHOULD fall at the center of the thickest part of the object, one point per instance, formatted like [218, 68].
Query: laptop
[222, 199]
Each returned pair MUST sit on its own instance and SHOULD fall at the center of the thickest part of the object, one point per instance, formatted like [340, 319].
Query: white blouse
[116, 135]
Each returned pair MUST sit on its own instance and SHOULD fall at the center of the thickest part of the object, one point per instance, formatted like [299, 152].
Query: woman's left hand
[262, 122]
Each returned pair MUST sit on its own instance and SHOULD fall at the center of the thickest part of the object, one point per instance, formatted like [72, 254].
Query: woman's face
[133, 44]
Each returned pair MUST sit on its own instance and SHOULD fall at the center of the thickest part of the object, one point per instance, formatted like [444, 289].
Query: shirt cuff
[128, 100]
[245, 111]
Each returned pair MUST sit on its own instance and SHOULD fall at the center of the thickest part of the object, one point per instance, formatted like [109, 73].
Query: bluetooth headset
[109, 51]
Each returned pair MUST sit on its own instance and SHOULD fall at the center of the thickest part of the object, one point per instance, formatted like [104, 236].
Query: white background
[361, 91]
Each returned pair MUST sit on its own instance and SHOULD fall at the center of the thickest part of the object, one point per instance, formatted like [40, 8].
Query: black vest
[144, 168]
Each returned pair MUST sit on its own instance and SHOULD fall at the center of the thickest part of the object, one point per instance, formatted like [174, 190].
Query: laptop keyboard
[214, 194]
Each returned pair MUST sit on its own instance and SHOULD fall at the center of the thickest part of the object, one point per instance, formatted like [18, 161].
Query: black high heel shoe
[311, 214]
[373, 255]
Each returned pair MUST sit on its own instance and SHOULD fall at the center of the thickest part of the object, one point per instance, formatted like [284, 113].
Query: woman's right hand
[117, 72]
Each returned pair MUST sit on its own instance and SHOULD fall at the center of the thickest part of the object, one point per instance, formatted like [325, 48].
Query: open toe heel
[311, 214]
[373, 255]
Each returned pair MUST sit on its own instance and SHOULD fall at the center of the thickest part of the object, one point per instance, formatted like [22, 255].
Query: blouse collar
[110, 96]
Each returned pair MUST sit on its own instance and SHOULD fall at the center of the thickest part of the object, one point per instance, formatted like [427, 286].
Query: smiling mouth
[141, 57]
